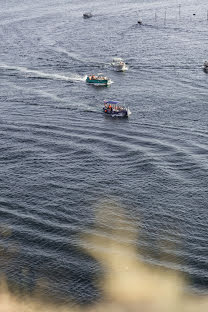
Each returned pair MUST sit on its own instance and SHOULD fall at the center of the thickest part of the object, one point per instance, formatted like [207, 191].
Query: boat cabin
[112, 106]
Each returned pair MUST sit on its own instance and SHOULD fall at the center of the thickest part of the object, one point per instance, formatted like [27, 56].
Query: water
[60, 157]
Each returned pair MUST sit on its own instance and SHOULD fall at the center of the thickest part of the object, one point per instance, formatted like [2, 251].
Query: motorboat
[87, 15]
[114, 109]
[98, 80]
[118, 64]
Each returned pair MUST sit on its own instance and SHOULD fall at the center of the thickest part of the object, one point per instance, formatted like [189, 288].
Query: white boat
[118, 64]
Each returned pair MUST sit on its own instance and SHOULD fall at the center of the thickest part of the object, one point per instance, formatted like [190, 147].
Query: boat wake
[50, 99]
[71, 55]
[31, 73]
[82, 61]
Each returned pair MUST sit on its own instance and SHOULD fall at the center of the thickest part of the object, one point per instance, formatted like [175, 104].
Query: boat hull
[121, 68]
[117, 114]
[98, 82]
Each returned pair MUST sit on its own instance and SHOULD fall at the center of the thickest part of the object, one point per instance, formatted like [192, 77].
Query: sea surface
[62, 160]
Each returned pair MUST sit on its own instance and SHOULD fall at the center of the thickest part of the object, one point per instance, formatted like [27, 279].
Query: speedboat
[118, 64]
[87, 15]
[98, 80]
[114, 109]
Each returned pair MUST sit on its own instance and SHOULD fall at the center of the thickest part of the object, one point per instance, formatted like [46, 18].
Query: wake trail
[39, 74]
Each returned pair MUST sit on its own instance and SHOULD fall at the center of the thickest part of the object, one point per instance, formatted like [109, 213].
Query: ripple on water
[60, 157]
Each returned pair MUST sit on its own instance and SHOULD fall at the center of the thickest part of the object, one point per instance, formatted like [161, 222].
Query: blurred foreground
[127, 285]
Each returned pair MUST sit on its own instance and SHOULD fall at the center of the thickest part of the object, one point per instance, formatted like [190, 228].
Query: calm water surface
[60, 157]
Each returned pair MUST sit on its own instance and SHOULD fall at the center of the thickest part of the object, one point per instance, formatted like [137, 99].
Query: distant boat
[87, 15]
[114, 109]
[118, 64]
[98, 80]
[139, 22]
[205, 65]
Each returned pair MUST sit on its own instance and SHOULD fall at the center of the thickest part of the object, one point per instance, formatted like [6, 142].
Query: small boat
[87, 15]
[114, 109]
[98, 80]
[118, 64]
[205, 66]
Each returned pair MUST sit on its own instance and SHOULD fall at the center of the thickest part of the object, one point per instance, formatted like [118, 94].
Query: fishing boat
[118, 64]
[87, 15]
[114, 109]
[98, 80]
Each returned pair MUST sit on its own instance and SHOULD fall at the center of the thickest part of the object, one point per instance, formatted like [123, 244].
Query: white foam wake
[40, 74]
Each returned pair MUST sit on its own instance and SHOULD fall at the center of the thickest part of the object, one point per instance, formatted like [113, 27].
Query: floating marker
[165, 16]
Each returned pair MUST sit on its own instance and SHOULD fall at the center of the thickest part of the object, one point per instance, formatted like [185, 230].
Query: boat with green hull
[98, 80]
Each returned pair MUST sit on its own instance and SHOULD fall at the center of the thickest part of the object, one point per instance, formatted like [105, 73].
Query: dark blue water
[61, 158]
